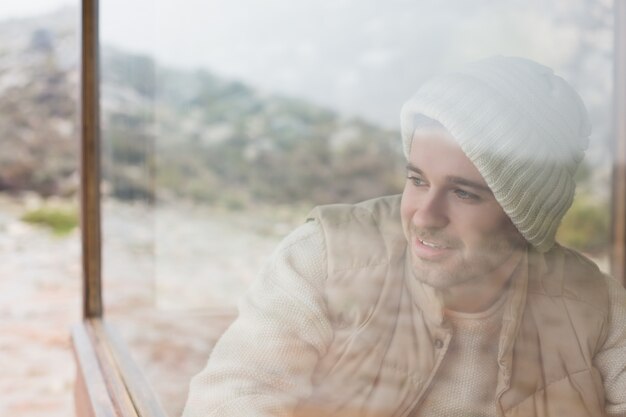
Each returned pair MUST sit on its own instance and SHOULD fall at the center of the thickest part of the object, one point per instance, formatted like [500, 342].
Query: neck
[478, 295]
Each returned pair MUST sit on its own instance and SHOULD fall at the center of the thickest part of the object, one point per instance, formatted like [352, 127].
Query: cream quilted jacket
[367, 339]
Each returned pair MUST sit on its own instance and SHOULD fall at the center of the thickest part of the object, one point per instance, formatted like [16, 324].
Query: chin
[437, 277]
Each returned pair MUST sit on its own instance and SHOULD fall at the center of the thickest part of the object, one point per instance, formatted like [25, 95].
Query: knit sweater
[467, 377]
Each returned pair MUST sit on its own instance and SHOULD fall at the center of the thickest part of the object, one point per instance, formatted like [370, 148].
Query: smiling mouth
[431, 251]
[432, 245]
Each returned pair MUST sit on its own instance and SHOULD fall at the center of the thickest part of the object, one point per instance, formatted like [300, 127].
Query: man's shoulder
[385, 208]
[569, 273]
[361, 234]
[378, 218]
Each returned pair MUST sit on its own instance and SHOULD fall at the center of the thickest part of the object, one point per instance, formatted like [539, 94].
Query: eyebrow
[454, 180]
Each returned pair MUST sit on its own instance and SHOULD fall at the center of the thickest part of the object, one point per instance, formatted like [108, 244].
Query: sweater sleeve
[262, 365]
[611, 360]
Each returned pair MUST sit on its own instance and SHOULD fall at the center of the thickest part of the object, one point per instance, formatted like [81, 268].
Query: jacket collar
[427, 299]
[511, 320]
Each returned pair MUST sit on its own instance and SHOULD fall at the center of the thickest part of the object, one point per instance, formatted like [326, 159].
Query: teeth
[430, 245]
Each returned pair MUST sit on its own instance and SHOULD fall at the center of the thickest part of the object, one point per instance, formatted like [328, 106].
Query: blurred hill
[171, 133]
[38, 91]
[192, 134]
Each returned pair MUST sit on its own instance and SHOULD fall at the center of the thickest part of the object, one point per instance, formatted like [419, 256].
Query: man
[451, 300]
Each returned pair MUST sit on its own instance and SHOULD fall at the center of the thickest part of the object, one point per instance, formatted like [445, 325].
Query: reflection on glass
[225, 123]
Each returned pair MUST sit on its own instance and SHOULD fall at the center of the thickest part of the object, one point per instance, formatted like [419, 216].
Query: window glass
[225, 122]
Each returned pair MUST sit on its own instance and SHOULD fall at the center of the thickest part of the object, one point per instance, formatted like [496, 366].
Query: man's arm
[262, 365]
[611, 360]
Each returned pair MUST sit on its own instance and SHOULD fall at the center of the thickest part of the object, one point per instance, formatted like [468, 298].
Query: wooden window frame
[108, 382]
[618, 214]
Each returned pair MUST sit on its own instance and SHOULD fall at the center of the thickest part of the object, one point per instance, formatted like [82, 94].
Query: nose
[430, 211]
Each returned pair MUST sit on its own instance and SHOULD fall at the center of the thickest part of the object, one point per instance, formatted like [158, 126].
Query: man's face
[456, 230]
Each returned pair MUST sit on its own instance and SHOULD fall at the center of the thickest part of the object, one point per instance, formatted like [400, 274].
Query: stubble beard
[461, 267]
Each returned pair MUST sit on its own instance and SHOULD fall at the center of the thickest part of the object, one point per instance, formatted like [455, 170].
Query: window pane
[225, 122]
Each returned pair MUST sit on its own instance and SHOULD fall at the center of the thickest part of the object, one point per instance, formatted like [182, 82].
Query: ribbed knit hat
[524, 128]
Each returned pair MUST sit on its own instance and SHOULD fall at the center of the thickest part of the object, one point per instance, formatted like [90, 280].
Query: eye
[465, 195]
[417, 181]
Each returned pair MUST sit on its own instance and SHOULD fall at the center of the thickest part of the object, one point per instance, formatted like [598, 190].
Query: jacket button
[438, 343]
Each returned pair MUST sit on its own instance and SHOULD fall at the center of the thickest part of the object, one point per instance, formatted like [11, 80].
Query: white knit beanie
[522, 126]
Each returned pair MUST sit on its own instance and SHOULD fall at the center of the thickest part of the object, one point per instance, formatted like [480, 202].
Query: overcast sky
[355, 56]
[24, 8]
[362, 57]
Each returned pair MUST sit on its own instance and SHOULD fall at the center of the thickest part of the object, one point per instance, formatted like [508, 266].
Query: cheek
[484, 223]
[407, 207]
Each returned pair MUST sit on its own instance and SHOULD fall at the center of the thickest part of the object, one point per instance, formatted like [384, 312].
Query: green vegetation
[586, 225]
[60, 220]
